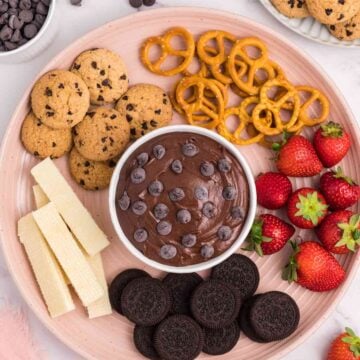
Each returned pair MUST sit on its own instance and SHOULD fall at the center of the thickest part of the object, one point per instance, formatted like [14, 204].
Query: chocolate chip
[224, 233]
[160, 211]
[142, 159]
[349, 33]
[53, 144]
[4, 7]
[176, 194]
[328, 12]
[155, 188]
[124, 201]
[183, 216]
[123, 77]
[176, 167]
[189, 149]
[6, 33]
[46, 2]
[163, 228]
[140, 235]
[149, 2]
[112, 163]
[207, 169]
[138, 175]
[129, 107]
[102, 72]
[168, 252]
[144, 125]
[39, 20]
[135, 3]
[129, 119]
[76, 66]
[36, 153]
[341, 16]
[165, 101]
[341, 2]
[13, 3]
[113, 116]
[139, 207]
[229, 192]
[201, 193]
[30, 30]
[159, 151]
[132, 130]
[50, 113]
[100, 98]
[237, 213]
[207, 251]
[4, 18]
[188, 240]
[90, 114]
[9, 45]
[209, 210]
[16, 36]
[153, 123]
[224, 165]
[158, 112]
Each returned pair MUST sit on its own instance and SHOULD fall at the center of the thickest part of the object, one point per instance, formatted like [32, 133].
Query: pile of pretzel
[270, 105]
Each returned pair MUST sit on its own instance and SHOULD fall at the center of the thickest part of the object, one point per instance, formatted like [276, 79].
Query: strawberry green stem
[290, 271]
[350, 233]
[310, 207]
[353, 341]
[256, 238]
[331, 129]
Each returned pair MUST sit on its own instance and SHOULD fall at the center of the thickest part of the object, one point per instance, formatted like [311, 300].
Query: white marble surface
[343, 66]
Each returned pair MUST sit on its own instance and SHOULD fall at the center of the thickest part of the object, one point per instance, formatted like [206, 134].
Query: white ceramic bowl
[247, 224]
[37, 44]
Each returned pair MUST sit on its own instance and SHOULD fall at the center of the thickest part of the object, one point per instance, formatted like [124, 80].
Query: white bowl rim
[246, 226]
[49, 17]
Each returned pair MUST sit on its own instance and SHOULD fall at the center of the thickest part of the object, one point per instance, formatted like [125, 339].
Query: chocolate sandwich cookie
[181, 287]
[145, 301]
[244, 320]
[119, 283]
[240, 272]
[221, 341]
[274, 316]
[144, 341]
[215, 304]
[178, 337]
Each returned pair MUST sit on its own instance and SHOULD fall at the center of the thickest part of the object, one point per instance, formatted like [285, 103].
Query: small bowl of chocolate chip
[182, 199]
[26, 28]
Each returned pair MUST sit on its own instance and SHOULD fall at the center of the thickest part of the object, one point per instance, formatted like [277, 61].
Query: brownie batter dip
[182, 199]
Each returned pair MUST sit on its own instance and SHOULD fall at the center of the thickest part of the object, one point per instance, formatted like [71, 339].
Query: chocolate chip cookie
[348, 30]
[102, 135]
[333, 11]
[91, 175]
[43, 141]
[292, 8]
[104, 73]
[60, 99]
[145, 107]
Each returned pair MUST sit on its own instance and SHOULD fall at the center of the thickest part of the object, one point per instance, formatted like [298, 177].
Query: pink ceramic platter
[111, 337]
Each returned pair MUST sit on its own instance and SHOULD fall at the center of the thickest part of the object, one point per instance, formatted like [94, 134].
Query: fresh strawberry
[339, 190]
[345, 347]
[306, 208]
[314, 268]
[297, 157]
[273, 190]
[269, 234]
[331, 143]
[339, 232]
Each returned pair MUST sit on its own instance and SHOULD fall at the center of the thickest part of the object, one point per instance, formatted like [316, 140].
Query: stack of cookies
[182, 314]
[74, 108]
[342, 17]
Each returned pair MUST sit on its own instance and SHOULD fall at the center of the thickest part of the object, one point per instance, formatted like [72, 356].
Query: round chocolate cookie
[274, 316]
[104, 73]
[181, 287]
[102, 135]
[91, 175]
[244, 320]
[215, 304]
[333, 11]
[43, 141]
[221, 341]
[144, 341]
[240, 272]
[348, 30]
[146, 107]
[145, 301]
[119, 283]
[178, 337]
[60, 99]
[292, 8]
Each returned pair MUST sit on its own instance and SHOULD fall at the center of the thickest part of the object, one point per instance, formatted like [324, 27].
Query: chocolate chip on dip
[182, 199]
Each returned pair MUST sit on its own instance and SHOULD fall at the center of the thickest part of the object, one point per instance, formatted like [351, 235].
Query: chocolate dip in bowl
[182, 199]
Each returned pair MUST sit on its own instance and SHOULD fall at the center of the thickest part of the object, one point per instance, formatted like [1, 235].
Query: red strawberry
[314, 268]
[306, 208]
[339, 232]
[273, 190]
[339, 190]
[298, 158]
[345, 347]
[269, 234]
[331, 143]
